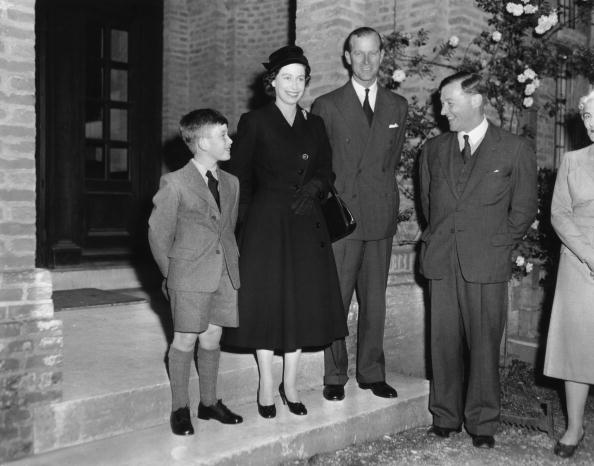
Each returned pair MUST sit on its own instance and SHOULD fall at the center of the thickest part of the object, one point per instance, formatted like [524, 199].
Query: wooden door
[99, 92]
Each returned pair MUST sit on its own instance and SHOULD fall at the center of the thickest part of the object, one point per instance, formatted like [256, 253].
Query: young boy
[191, 235]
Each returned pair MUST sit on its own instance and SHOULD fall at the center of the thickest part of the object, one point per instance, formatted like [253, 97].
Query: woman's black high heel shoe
[566, 451]
[266, 411]
[296, 408]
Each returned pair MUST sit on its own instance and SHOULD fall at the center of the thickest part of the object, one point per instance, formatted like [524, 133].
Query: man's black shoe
[381, 389]
[180, 422]
[483, 441]
[219, 412]
[333, 392]
[443, 432]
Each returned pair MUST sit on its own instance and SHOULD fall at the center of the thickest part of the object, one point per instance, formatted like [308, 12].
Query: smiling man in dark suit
[478, 195]
[365, 124]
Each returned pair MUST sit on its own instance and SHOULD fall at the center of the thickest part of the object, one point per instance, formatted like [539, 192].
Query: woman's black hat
[285, 56]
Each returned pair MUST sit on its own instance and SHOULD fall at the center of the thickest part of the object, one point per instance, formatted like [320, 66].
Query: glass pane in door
[119, 124]
[119, 45]
[118, 163]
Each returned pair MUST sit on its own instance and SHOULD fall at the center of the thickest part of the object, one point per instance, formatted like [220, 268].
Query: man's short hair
[360, 32]
[471, 83]
[191, 124]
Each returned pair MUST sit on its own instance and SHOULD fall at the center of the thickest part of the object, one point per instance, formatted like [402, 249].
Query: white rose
[398, 76]
[536, 82]
[496, 36]
[520, 261]
[527, 102]
[546, 22]
[454, 41]
[530, 9]
[515, 9]
[529, 267]
[529, 89]
[522, 78]
[529, 73]
[553, 18]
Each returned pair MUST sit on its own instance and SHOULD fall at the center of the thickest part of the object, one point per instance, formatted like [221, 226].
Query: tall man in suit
[478, 195]
[191, 235]
[365, 124]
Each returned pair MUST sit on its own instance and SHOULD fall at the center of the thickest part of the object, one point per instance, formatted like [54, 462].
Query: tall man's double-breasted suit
[474, 219]
[364, 159]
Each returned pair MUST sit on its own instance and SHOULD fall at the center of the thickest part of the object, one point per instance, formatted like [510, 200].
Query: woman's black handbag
[339, 220]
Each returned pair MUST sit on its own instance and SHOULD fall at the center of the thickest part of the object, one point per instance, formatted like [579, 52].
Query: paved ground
[515, 445]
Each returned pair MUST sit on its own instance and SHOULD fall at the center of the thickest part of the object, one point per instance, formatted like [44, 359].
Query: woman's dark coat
[289, 296]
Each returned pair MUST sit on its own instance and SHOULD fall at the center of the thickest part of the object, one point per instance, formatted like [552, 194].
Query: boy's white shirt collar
[202, 169]
[360, 91]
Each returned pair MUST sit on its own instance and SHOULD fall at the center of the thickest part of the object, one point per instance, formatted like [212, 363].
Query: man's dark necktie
[466, 152]
[213, 185]
[367, 108]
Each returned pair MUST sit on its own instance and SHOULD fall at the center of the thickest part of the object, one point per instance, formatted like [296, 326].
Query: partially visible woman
[570, 345]
[289, 296]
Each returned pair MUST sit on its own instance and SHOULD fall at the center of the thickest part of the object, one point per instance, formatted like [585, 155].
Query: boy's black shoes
[219, 412]
[180, 422]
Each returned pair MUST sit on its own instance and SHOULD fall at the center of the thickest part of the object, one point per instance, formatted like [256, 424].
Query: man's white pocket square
[393, 125]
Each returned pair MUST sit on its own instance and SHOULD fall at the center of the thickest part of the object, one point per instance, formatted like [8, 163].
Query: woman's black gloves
[304, 201]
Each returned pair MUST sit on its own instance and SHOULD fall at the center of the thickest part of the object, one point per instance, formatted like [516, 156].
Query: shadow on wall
[259, 97]
[576, 132]
[175, 154]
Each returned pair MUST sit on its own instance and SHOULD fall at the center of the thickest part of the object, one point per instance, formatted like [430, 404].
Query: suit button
[354, 196]
[452, 230]
[305, 156]
[359, 171]
[214, 217]
[218, 251]
[322, 244]
[296, 187]
[348, 140]
[300, 171]
[318, 225]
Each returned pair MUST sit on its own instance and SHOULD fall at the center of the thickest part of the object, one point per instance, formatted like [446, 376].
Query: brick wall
[213, 54]
[30, 338]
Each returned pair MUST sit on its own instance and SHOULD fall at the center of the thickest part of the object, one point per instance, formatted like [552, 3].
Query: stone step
[115, 378]
[328, 426]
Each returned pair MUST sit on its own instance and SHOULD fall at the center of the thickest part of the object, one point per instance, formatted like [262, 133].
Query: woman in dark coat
[289, 296]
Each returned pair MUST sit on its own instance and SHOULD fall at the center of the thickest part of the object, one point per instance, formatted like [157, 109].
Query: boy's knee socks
[179, 377]
[208, 370]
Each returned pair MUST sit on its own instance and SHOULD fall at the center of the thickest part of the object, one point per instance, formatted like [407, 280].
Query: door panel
[100, 126]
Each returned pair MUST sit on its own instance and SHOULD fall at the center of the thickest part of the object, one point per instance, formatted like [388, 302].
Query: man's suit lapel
[383, 116]
[448, 149]
[485, 154]
[352, 112]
